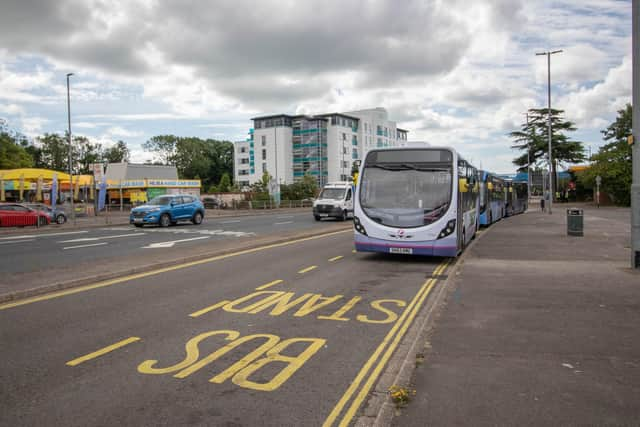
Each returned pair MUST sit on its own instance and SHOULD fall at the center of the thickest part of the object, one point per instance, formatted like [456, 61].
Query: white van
[335, 200]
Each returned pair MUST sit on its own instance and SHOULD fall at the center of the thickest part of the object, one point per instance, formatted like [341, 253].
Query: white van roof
[338, 184]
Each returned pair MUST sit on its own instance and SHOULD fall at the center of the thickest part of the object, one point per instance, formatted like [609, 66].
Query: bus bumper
[443, 247]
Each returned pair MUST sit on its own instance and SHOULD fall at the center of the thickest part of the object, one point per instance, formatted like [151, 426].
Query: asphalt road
[291, 334]
[36, 258]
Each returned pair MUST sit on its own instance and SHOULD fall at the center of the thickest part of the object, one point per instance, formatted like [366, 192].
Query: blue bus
[415, 201]
[492, 198]
[517, 197]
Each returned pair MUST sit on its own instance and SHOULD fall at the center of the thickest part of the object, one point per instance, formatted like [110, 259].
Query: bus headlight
[359, 228]
[451, 226]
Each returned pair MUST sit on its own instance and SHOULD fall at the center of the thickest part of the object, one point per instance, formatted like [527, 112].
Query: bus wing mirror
[463, 185]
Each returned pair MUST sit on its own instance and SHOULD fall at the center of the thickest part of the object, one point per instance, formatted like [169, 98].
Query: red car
[14, 214]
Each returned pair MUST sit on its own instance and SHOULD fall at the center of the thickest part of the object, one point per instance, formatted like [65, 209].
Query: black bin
[575, 222]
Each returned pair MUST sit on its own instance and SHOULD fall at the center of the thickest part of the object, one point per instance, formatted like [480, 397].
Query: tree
[613, 161]
[225, 183]
[533, 139]
[208, 159]
[89, 153]
[12, 154]
[54, 152]
[117, 153]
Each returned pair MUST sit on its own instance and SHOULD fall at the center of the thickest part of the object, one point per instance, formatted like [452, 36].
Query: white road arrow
[171, 243]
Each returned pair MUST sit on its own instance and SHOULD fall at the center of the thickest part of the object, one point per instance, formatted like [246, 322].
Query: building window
[264, 140]
[264, 168]
[244, 161]
[344, 136]
[264, 154]
[344, 150]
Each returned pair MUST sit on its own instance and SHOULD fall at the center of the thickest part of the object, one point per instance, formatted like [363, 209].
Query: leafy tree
[12, 154]
[613, 160]
[208, 159]
[225, 183]
[54, 152]
[116, 154]
[532, 138]
[89, 153]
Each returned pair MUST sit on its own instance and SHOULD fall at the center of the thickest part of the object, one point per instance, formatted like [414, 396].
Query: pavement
[535, 328]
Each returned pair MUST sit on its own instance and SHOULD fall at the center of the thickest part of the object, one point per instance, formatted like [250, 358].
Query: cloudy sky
[455, 72]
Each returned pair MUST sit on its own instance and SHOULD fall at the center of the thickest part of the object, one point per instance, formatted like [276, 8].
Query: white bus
[421, 201]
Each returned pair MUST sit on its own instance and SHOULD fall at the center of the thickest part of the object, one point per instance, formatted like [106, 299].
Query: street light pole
[73, 211]
[551, 178]
[635, 148]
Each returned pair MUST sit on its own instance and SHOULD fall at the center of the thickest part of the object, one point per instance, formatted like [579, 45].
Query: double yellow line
[378, 360]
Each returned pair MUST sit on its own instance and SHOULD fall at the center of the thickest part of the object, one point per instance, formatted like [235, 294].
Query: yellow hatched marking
[270, 284]
[102, 351]
[390, 342]
[308, 269]
[335, 258]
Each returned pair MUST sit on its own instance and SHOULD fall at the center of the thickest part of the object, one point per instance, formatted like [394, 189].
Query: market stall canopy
[32, 174]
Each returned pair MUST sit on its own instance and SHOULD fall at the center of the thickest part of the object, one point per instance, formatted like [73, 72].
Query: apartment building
[324, 146]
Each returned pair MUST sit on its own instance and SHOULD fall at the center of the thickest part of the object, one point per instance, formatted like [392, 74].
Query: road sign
[98, 172]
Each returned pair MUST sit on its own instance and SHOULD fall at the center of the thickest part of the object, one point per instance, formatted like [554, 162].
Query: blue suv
[168, 210]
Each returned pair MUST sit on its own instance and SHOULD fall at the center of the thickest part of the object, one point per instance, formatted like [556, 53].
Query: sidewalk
[538, 328]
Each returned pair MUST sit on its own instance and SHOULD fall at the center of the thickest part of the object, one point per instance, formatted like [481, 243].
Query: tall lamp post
[551, 178]
[528, 163]
[73, 211]
[635, 138]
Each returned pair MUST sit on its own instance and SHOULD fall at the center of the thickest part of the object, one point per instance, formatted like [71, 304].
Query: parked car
[16, 214]
[56, 215]
[168, 210]
[214, 203]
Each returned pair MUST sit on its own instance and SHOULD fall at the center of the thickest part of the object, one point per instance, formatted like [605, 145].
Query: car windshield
[160, 201]
[332, 194]
[406, 195]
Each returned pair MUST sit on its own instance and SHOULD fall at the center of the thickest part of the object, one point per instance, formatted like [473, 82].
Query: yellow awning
[33, 174]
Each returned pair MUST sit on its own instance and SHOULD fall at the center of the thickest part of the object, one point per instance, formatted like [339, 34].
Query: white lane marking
[170, 244]
[230, 222]
[31, 236]
[93, 239]
[282, 223]
[84, 246]
[17, 241]
[285, 216]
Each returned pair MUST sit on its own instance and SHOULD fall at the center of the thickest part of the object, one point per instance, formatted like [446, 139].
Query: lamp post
[528, 163]
[73, 211]
[551, 178]
[635, 138]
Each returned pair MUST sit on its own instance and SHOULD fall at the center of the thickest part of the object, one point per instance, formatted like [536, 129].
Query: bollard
[575, 222]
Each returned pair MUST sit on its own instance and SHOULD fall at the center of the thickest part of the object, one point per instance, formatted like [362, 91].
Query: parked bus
[492, 198]
[421, 201]
[516, 197]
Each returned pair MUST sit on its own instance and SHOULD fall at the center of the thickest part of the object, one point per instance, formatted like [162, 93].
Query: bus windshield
[406, 195]
[332, 194]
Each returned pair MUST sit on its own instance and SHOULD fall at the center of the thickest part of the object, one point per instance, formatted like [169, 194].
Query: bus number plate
[407, 251]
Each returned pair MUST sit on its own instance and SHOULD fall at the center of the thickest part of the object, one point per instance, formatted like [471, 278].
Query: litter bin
[575, 222]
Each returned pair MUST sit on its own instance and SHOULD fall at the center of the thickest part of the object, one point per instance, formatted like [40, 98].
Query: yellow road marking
[335, 258]
[397, 331]
[270, 284]
[159, 271]
[102, 351]
[308, 269]
[208, 309]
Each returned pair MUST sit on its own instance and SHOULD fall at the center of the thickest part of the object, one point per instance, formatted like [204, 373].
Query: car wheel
[165, 220]
[60, 219]
[317, 217]
[42, 221]
[197, 218]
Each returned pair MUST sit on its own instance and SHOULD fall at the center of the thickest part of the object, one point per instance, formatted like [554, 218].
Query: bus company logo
[400, 234]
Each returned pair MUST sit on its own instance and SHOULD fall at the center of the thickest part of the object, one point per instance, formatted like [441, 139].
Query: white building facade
[323, 146]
